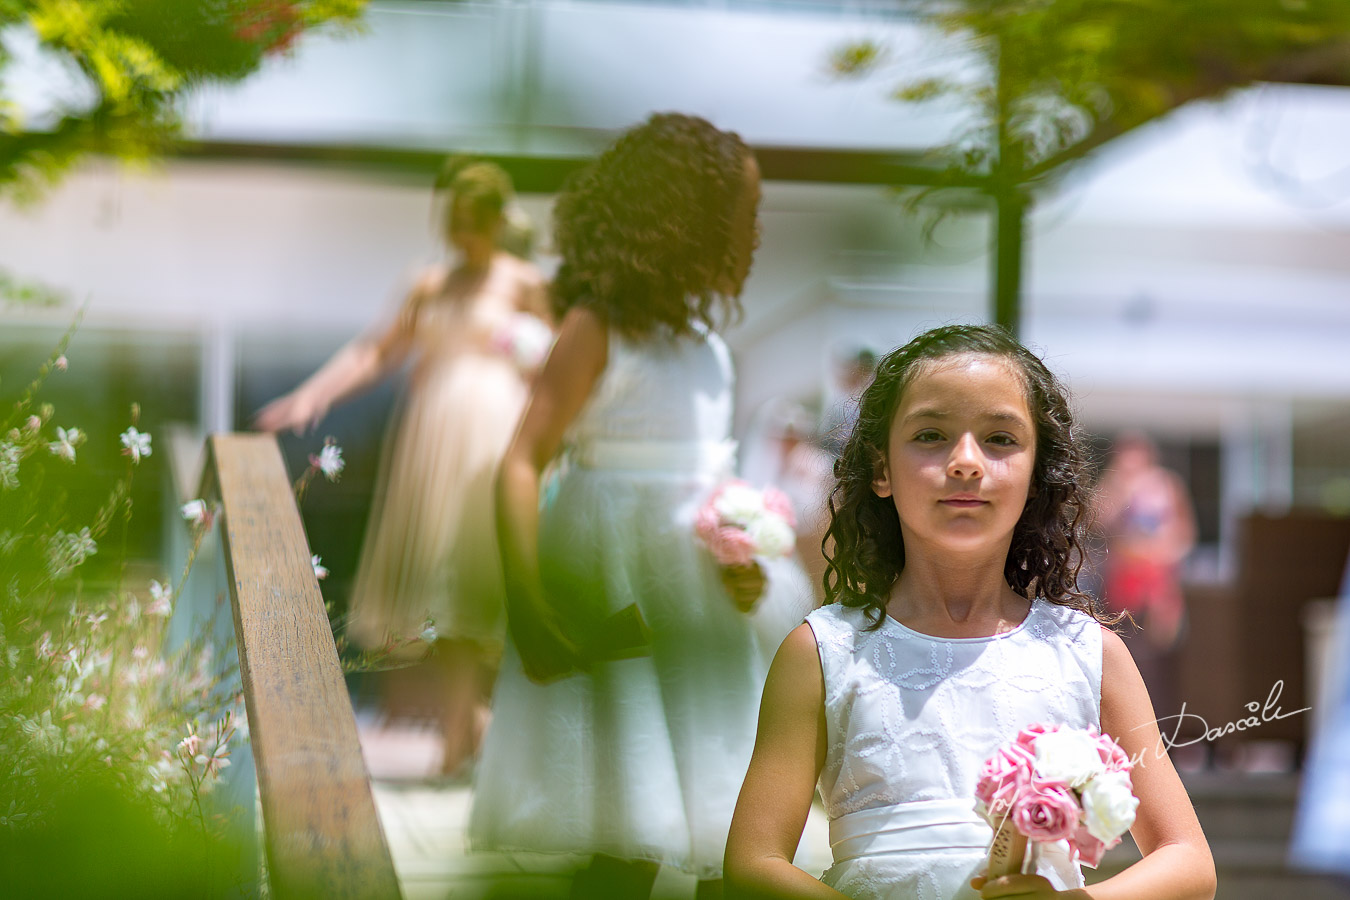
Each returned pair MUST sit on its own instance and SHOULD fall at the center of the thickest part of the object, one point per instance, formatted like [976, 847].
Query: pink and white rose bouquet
[525, 340]
[738, 523]
[1054, 783]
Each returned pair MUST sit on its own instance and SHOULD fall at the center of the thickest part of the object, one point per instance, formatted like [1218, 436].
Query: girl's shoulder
[837, 625]
[1071, 623]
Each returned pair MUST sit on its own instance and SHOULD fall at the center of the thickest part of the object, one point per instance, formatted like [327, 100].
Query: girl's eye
[1003, 440]
[928, 436]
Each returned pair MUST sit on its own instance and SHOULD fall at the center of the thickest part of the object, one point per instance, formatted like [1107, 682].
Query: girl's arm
[569, 374]
[1177, 864]
[534, 293]
[356, 366]
[776, 797]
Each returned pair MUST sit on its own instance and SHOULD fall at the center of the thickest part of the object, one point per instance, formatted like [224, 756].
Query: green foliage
[1066, 76]
[102, 724]
[134, 59]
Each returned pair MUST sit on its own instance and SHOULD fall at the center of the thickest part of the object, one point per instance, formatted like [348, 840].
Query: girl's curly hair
[645, 232]
[1049, 540]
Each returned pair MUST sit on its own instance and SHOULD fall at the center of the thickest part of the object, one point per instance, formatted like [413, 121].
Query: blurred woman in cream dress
[430, 549]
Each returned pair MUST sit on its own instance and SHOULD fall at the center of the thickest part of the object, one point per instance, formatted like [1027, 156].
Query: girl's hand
[1029, 887]
[296, 411]
[745, 584]
[546, 652]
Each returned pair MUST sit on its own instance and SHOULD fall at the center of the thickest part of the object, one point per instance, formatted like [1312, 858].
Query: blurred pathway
[425, 821]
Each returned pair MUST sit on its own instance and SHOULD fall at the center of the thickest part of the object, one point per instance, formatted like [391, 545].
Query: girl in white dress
[956, 527]
[634, 760]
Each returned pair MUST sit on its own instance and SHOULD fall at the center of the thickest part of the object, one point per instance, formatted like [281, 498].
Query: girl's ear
[881, 478]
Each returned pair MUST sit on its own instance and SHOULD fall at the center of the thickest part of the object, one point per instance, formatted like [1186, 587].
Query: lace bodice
[662, 389]
[911, 717]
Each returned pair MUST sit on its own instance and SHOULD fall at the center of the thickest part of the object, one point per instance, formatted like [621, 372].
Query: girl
[636, 760]
[956, 523]
[429, 550]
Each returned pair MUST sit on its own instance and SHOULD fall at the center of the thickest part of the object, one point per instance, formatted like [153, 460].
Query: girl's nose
[965, 459]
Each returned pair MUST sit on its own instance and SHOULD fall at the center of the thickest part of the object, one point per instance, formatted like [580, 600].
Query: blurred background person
[1145, 517]
[852, 373]
[783, 449]
[429, 551]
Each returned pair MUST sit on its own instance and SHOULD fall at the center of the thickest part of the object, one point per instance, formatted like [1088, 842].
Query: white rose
[772, 536]
[1068, 755]
[1109, 805]
[739, 503]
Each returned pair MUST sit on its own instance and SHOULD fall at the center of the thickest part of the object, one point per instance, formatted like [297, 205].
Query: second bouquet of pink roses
[738, 523]
[1054, 783]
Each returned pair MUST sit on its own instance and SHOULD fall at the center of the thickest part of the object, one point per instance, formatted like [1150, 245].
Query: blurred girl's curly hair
[645, 232]
[1048, 541]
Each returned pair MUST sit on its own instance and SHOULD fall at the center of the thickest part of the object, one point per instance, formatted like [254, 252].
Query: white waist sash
[920, 825]
[658, 456]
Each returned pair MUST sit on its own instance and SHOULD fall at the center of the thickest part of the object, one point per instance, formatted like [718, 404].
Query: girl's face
[744, 229]
[960, 455]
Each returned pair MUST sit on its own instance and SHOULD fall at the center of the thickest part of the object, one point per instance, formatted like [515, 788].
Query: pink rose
[1087, 847]
[1113, 756]
[1002, 780]
[777, 502]
[706, 523]
[1046, 811]
[1026, 738]
[731, 546]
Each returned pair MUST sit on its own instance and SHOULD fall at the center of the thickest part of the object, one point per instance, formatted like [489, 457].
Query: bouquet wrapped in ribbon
[1054, 783]
[738, 523]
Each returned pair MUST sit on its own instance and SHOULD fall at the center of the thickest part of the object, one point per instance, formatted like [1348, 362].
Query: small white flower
[136, 444]
[10, 455]
[319, 571]
[329, 461]
[1108, 805]
[429, 634]
[1068, 755]
[67, 439]
[190, 746]
[95, 702]
[33, 423]
[66, 550]
[196, 511]
[62, 363]
[162, 600]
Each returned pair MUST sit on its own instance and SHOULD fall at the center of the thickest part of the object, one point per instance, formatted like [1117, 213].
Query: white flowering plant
[90, 694]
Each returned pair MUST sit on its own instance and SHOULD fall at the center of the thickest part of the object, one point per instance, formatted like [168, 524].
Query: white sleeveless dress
[911, 719]
[642, 758]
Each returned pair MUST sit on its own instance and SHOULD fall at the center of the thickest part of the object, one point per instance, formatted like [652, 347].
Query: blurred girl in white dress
[624, 716]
